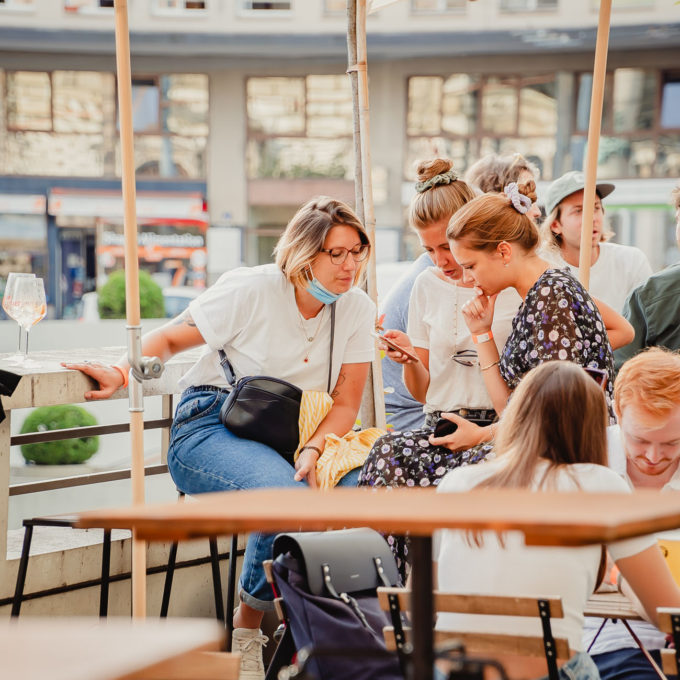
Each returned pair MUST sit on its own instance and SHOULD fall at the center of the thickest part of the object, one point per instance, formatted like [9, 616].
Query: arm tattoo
[341, 379]
[184, 319]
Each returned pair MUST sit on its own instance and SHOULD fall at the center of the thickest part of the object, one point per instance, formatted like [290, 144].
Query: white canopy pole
[132, 311]
[596, 101]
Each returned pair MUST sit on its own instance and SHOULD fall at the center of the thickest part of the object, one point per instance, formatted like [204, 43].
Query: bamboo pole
[132, 311]
[373, 404]
[596, 101]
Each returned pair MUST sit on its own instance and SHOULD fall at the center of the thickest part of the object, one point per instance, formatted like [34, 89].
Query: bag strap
[330, 360]
[229, 369]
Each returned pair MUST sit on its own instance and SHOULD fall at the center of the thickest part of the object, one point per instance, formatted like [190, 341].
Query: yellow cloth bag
[340, 454]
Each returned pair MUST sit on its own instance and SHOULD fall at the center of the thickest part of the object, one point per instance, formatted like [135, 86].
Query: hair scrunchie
[520, 202]
[444, 178]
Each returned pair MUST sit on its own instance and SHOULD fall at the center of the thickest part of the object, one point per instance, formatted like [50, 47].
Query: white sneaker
[248, 642]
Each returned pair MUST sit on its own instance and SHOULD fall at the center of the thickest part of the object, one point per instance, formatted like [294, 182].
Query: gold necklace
[310, 338]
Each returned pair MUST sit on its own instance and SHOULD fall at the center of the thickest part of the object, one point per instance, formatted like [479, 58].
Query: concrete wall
[309, 17]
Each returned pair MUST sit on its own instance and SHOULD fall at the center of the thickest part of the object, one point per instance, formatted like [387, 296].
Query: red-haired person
[644, 448]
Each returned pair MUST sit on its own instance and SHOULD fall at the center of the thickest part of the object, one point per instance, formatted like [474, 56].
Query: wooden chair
[669, 622]
[394, 601]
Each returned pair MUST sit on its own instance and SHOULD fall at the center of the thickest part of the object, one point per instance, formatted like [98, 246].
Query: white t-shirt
[526, 571]
[436, 323]
[619, 270]
[615, 635]
[251, 313]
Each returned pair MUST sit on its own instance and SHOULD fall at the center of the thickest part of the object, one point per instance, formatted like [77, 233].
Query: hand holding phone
[397, 348]
[444, 427]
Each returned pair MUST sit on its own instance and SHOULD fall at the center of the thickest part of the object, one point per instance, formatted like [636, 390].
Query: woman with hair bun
[446, 374]
[495, 243]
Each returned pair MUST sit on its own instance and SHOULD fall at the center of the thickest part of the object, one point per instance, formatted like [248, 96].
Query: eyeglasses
[339, 255]
[465, 357]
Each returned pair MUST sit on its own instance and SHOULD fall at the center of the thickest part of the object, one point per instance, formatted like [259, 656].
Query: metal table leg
[422, 609]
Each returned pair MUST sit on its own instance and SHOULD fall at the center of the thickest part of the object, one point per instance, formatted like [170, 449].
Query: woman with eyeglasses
[447, 376]
[272, 320]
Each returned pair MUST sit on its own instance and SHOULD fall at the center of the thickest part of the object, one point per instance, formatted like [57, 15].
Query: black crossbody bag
[266, 409]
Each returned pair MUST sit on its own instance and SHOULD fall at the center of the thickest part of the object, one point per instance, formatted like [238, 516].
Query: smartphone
[444, 427]
[598, 375]
[398, 348]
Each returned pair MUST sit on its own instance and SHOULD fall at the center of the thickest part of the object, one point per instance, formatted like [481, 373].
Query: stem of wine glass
[26, 345]
[20, 331]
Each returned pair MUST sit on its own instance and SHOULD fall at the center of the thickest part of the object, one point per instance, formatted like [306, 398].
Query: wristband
[482, 337]
[124, 374]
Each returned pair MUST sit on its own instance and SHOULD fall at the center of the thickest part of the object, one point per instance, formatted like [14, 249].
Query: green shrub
[66, 451]
[111, 297]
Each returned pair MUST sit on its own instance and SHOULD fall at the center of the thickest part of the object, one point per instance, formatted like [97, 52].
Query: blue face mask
[320, 292]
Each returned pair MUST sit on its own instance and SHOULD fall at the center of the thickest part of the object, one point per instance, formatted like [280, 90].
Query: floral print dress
[558, 321]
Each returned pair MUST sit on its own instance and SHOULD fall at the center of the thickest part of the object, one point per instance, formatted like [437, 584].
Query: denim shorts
[205, 456]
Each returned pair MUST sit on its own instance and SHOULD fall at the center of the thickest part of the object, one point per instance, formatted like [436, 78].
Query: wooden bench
[669, 622]
[394, 601]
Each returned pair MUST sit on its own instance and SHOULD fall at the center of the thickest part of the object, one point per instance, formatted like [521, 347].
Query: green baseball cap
[570, 183]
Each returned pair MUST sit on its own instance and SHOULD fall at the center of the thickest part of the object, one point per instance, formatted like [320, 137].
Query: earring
[506, 264]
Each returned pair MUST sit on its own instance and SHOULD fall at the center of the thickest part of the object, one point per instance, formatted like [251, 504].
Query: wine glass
[28, 305]
[7, 302]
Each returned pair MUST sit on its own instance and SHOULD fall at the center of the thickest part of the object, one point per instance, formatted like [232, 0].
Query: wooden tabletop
[546, 518]
[98, 649]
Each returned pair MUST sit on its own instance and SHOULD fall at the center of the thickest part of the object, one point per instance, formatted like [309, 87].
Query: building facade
[242, 111]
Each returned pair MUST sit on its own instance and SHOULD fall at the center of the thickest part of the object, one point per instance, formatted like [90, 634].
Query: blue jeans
[204, 456]
[628, 664]
[579, 667]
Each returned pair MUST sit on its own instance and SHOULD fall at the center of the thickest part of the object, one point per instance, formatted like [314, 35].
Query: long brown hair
[439, 201]
[558, 414]
[490, 219]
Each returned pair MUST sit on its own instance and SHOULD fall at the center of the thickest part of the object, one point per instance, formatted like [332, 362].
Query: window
[29, 96]
[263, 6]
[179, 6]
[170, 121]
[437, 6]
[638, 138]
[88, 6]
[634, 99]
[670, 100]
[335, 6]
[299, 127]
[17, 4]
[64, 124]
[464, 117]
[527, 5]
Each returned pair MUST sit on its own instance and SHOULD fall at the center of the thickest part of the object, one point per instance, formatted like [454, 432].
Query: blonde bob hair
[558, 414]
[440, 201]
[494, 172]
[651, 380]
[306, 233]
[491, 219]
